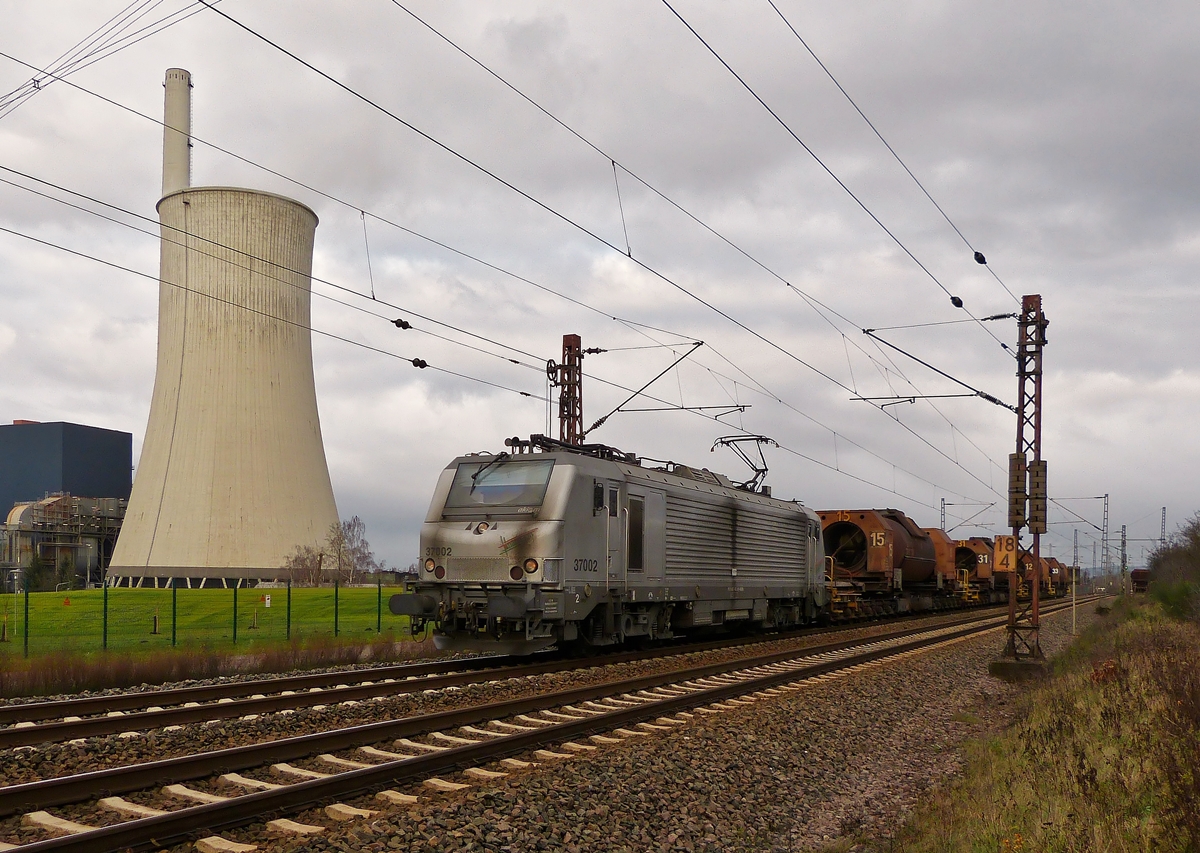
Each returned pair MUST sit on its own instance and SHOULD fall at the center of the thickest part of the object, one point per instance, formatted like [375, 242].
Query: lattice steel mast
[1027, 481]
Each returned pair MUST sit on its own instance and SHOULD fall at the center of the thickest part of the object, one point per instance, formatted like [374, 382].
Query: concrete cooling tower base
[232, 475]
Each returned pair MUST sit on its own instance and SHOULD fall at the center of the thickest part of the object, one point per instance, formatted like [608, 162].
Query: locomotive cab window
[613, 500]
[637, 533]
[500, 483]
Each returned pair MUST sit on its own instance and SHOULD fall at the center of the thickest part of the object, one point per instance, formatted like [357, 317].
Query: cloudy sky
[1060, 141]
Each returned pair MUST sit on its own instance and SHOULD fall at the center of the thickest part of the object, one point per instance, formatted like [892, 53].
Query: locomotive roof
[699, 479]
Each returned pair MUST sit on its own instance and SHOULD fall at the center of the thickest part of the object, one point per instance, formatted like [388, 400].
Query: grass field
[74, 621]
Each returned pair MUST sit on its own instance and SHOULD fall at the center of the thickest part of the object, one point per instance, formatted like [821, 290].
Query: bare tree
[345, 556]
[357, 556]
[303, 566]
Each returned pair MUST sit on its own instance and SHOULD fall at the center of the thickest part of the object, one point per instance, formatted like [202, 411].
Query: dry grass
[67, 672]
[1104, 757]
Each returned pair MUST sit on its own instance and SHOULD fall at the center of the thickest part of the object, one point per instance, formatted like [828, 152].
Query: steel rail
[332, 690]
[83, 786]
[62, 730]
[180, 825]
[59, 708]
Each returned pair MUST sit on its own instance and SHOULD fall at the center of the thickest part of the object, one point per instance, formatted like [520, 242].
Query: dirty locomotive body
[524, 551]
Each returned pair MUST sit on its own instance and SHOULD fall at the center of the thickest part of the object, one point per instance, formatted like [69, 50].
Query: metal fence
[127, 619]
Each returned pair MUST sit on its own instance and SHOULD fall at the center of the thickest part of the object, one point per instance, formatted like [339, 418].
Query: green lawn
[74, 621]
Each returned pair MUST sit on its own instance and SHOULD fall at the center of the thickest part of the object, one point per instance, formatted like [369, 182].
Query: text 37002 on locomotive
[520, 552]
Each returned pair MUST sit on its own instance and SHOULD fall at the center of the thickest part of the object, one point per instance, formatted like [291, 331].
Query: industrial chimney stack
[177, 131]
[232, 475]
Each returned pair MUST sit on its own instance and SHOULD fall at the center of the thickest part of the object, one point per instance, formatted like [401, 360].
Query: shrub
[1179, 599]
[1105, 756]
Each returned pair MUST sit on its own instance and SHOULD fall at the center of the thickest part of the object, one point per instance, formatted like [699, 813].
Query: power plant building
[63, 490]
[232, 476]
[41, 459]
[71, 537]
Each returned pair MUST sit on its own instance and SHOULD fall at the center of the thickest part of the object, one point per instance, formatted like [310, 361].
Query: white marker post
[1074, 576]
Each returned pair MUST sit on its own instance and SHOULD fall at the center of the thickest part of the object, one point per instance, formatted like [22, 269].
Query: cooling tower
[232, 475]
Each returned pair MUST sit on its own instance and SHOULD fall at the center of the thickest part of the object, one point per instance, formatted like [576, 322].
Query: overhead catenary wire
[563, 296]
[621, 208]
[528, 196]
[1079, 517]
[812, 301]
[87, 52]
[490, 265]
[600, 421]
[433, 241]
[956, 301]
[977, 255]
[972, 517]
[426, 332]
[757, 387]
[641, 264]
[817, 305]
[281, 267]
[981, 394]
[421, 363]
[367, 245]
[416, 362]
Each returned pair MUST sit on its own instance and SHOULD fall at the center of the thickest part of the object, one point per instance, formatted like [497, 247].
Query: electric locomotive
[552, 543]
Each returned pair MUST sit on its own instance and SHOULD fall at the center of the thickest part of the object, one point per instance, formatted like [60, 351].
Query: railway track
[37, 723]
[414, 750]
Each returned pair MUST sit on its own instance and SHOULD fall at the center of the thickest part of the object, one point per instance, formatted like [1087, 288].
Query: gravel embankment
[29, 764]
[839, 760]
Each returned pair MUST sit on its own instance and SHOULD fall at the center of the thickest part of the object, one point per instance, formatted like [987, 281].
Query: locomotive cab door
[616, 536]
[645, 535]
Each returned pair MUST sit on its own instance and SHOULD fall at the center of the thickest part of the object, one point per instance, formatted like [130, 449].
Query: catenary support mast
[570, 391]
[1027, 482]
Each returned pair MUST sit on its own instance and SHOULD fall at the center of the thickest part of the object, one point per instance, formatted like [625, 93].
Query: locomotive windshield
[501, 482]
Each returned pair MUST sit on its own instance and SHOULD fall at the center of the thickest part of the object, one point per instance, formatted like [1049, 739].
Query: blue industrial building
[39, 459]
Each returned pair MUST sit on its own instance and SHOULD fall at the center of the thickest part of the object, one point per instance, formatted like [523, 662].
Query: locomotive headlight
[531, 565]
[429, 564]
[439, 572]
[515, 573]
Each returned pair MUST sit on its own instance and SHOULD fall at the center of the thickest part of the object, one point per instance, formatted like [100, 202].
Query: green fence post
[104, 614]
[174, 608]
[25, 627]
[379, 603]
[335, 606]
[235, 589]
[289, 609]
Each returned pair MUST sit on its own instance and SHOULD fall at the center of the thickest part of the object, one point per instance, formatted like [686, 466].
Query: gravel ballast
[50, 760]
[835, 765]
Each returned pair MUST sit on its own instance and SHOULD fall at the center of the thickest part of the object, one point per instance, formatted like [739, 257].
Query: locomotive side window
[500, 482]
[613, 500]
[637, 533]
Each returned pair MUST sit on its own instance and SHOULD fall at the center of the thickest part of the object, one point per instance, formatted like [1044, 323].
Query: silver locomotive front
[492, 554]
